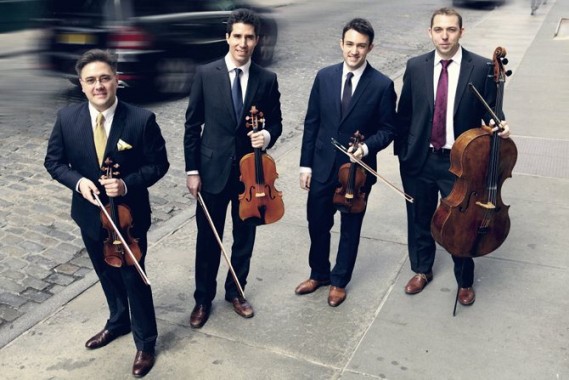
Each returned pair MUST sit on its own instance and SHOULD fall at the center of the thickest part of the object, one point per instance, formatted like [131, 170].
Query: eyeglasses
[103, 79]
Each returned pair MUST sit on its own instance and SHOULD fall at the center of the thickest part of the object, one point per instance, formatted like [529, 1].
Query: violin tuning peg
[508, 73]
[505, 61]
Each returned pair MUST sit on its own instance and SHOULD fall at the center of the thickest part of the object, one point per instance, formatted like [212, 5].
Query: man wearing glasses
[84, 136]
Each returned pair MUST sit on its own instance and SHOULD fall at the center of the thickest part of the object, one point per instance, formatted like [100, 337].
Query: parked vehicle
[478, 2]
[158, 43]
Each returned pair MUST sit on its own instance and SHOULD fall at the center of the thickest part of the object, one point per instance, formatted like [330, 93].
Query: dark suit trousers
[320, 213]
[424, 187]
[124, 290]
[208, 253]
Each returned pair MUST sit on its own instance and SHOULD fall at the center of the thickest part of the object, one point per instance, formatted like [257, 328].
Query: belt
[441, 151]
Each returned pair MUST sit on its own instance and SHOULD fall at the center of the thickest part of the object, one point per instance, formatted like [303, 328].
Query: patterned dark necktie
[237, 95]
[438, 133]
[347, 93]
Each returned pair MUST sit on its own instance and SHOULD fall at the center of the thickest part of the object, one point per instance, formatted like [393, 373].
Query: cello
[349, 196]
[472, 220]
[260, 202]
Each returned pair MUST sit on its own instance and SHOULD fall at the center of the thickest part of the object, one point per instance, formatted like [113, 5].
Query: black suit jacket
[416, 105]
[371, 111]
[71, 155]
[213, 149]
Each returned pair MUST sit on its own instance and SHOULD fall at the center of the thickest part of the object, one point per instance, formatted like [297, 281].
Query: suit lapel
[252, 87]
[428, 75]
[463, 78]
[86, 133]
[360, 89]
[119, 122]
[336, 84]
[223, 85]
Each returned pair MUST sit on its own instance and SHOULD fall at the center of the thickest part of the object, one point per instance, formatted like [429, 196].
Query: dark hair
[360, 25]
[245, 16]
[96, 55]
[446, 12]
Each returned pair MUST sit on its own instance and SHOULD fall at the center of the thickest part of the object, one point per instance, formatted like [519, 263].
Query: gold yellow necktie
[100, 137]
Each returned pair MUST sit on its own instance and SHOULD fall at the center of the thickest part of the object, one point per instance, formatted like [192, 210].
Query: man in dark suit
[215, 140]
[424, 153]
[132, 139]
[347, 97]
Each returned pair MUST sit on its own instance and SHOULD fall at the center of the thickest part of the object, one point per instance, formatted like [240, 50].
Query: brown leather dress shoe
[199, 316]
[418, 282]
[242, 307]
[101, 339]
[309, 286]
[143, 363]
[336, 296]
[466, 296]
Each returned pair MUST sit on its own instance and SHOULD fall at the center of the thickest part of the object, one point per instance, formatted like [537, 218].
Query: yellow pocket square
[122, 145]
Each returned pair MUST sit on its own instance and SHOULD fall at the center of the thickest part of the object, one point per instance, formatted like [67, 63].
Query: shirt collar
[108, 114]
[231, 66]
[456, 58]
[357, 72]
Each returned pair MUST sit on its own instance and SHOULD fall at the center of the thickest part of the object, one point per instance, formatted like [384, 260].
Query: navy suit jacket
[213, 149]
[416, 105]
[371, 111]
[71, 155]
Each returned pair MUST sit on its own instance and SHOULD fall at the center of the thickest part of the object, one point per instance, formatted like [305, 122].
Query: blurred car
[158, 43]
[478, 2]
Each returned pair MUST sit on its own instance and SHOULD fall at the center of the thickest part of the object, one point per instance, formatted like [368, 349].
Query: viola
[472, 220]
[260, 202]
[349, 196]
[121, 216]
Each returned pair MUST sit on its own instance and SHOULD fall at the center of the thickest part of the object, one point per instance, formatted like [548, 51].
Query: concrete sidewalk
[517, 329]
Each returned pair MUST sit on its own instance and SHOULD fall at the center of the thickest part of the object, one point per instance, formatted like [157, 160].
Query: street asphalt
[518, 327]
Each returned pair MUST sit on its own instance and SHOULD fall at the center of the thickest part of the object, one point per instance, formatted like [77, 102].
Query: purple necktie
[438, 133]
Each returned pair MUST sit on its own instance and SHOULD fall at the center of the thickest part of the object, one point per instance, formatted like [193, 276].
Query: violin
[472, 220]
[370, 170]
[121, 216]
[349, 196]
[260, 202]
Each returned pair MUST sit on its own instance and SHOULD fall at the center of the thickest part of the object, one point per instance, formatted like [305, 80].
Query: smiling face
[355, 47]
[242, 42]
[445, 33]
[99, 83]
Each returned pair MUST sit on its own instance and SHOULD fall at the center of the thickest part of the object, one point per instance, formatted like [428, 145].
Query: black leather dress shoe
[143, 363]
[102, 338]
[242, 307]
[199, 316]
